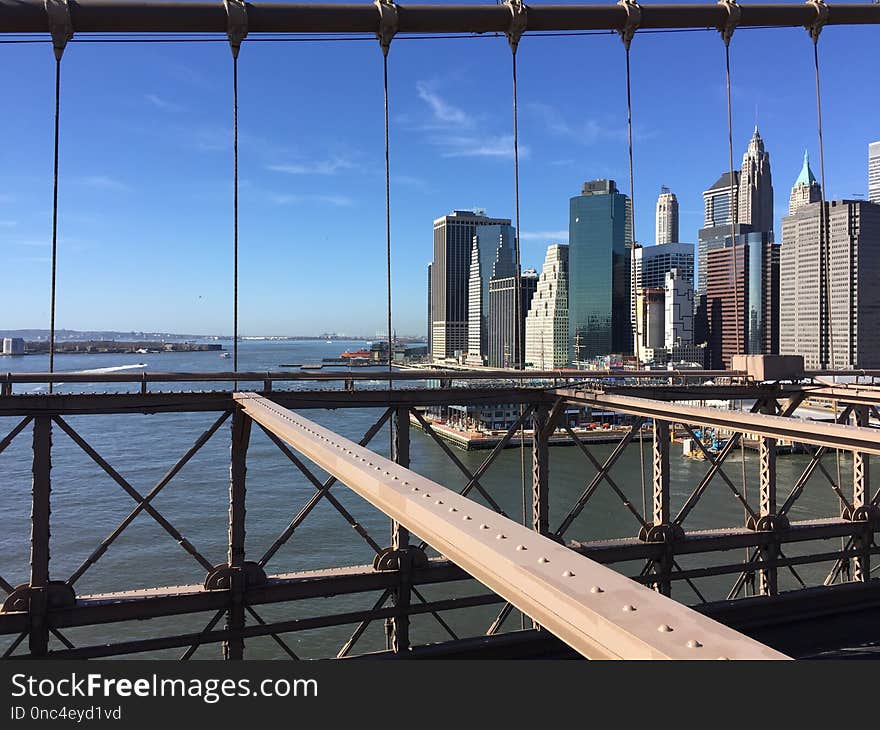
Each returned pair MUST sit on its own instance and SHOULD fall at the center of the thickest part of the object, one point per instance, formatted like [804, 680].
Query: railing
[678, 552]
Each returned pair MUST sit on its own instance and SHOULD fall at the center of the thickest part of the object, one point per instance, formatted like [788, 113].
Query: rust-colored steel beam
[831, 435]
[116, 16]
[595, 610]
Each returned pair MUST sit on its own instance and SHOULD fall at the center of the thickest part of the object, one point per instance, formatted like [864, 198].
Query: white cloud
[340, 201]
[443, 112]
[161, 103]
[585, 131]
[549, 236]
[101, 182]
[317, 167]
[479, 146]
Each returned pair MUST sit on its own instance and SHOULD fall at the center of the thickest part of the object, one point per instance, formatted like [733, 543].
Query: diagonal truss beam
[597, 480]
[322, 492]
[19, 427]
[595, 610]
[428, 429]
[143, 502]
[605, 475]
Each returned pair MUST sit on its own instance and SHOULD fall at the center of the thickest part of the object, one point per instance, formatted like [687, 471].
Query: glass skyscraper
[599, 272]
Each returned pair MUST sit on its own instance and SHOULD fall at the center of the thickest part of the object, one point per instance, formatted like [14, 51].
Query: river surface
[87, 505]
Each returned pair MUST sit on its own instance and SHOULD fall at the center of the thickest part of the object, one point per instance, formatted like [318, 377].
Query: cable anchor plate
[734, 14]
[518, 22]
[633, 20]
[60, 24]
[236, 24]
[388, 23]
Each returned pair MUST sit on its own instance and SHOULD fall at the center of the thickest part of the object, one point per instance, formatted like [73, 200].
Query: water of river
[87, 505]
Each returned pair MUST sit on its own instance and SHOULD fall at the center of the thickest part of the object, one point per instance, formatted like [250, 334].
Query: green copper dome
[806, 177]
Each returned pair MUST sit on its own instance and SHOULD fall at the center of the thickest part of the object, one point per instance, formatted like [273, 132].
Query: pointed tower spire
[805, 189]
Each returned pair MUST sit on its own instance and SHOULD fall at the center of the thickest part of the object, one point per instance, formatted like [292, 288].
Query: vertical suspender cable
[518, 337]
[388, 217]
[824, 224]
[236, 31]
[54, 219]
[235, 212]
[734, 207]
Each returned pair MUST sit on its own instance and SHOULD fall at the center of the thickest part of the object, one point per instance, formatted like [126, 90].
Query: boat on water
[355, 354]
[225, 355]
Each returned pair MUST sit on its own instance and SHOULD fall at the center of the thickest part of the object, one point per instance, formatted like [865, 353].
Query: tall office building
[756, 187]
[667, 217]
[845, 331]
[598, 272]
[805, 189]
[492, 255]
[430, 318]
[717, 222]
[547, 318]
[678, 303]
[874, 172]
[652, 263]
[650, 323]
[506, 347]
[453, 240]
[742, 299]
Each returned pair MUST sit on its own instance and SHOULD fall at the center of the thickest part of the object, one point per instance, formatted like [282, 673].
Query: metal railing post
[38, 637]
[235, 618]
[397, 630]
[767, 583]
[861, 502]
[541, 470]
[661, 515]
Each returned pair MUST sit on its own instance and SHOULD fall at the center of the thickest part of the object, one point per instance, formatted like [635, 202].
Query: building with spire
[667, 217]
[547, 319]
[805, 189]
[756, 187]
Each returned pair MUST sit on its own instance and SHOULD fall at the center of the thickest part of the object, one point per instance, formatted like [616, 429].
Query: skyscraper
[742, 298]
[505, 349]
[453, 240]
[678, 318]
[547, 318]
[805, 189]
[874, 172]
[843, 331]
[598, 272]
[650, 323]
[652, 263]
[756, 187]
[492, 255]
[667, 217]
[717, 223]
[430, 318]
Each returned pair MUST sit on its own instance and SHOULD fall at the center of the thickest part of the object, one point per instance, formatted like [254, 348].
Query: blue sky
[145, 235]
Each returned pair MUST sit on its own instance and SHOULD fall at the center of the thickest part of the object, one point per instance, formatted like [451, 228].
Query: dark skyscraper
[599, 272]
[742, 299]
[503, 320]
[453, 239]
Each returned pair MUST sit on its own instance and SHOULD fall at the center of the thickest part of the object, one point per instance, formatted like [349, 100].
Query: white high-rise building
[755, 198]
[667, 217]
[547, 318]
[874, 172]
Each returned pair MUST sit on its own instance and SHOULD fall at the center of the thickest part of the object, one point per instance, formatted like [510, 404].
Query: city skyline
[145, 194]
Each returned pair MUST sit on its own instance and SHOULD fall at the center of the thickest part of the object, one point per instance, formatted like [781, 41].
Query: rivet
[521, 547]
[629, 607]
[542, 559]
[439, 501]
[724, 658]
[664, 628]
[500, 536]
[467, 517]
[484, 527]
[597, 589]
[453, 509]
[568, 574]
[694, 644]
[426, 495]
[415, 489]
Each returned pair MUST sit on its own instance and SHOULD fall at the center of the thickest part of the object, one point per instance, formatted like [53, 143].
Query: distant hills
[64, 335]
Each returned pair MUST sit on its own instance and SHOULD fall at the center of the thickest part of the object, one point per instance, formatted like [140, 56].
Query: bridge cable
[61, 30]
[633, 20]
[237, 29]
[815, 30]
[733, 17]
[388, 24]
